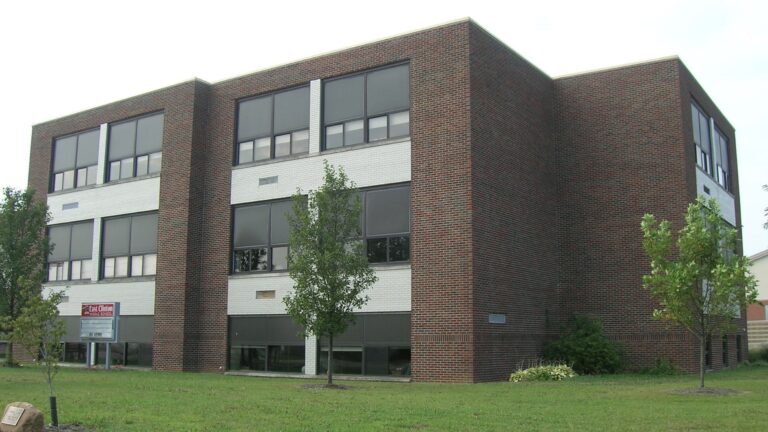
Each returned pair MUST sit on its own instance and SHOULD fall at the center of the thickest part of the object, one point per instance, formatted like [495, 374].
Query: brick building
[498, 202]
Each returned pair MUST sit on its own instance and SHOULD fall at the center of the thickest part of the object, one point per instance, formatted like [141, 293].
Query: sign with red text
[99, 322]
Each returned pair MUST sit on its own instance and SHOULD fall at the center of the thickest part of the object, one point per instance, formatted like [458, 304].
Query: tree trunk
[330, 359]
[702, 347]
[9, 355]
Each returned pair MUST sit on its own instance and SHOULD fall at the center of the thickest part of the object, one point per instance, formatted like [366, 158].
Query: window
[273, 126]
[386, 224]
[701, 139]
[265, 343]
[368, 107]
[260, 237]
[75, 160]
[72, 245]
[130, 246]
[722, 171]
[725, 350]
[738, 348]
[135, 147]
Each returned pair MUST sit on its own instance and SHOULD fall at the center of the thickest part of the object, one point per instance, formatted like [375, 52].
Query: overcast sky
[61, 57]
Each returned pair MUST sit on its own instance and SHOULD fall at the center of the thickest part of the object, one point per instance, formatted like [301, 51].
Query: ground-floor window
[372, 360]
[3, 349]
[273, 358]
[725, 350]
[375, 344]
[265, 343]
[738, 348]
[121, 353]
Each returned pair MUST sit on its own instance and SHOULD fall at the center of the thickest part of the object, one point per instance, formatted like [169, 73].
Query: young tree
[698, 280]
[328, 265]
[39, 330]
[23, 251]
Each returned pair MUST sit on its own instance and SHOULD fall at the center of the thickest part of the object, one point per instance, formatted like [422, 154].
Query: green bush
[585, 347]
[758, 354]
[554, 372]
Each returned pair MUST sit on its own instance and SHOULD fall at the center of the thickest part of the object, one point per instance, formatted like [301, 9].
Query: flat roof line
[621, 66]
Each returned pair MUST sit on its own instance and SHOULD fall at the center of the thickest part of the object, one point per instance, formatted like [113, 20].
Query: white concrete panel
[707, 187]
[315, 128]
[310, 355]
[135, 297]
[105, 200]
[365, 165]
[101, 168]
[95, 251]
[391, 293]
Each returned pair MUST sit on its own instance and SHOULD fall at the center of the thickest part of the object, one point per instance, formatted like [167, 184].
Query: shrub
[662, 367]
[758, 354]
[585, 347]
[553, 372]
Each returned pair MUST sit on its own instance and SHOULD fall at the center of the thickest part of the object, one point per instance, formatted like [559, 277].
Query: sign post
[99, 322]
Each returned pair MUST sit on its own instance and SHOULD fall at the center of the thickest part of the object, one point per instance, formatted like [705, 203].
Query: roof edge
[621, 66]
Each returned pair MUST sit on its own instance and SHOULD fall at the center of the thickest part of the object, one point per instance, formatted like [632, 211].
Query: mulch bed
[707, 391]
[325, 387]
[75, 427]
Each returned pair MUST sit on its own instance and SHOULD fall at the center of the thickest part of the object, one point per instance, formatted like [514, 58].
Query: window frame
[67, 264]
[134, 165]
[129, 271]
[272, 141]
[76, 169]
[713, 159]
[365, 118]
[725, 181]
[268, 246]
[363, 226]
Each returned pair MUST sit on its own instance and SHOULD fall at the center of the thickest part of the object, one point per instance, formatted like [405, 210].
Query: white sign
[97, 328]
[99, 322]
[12, 415]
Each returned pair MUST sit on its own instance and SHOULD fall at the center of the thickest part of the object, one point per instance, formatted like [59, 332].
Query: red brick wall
[440, 187]
[756, 312]
[515, 208]
[622, 153]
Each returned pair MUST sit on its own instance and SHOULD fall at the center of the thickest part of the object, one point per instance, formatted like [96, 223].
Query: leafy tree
[329, 267]
[23, 251]
[765, 225]
[698, 280]
[39, 330]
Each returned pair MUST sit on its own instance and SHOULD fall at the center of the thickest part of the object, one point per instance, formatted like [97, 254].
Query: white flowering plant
[543, 372]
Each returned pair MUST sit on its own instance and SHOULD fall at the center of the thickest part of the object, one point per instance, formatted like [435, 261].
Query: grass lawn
[122, 400]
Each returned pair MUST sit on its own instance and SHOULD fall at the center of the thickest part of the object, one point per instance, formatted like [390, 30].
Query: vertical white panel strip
[310, 356]
[102, 166]
[95, 258]
[315, 105]
[713, 150]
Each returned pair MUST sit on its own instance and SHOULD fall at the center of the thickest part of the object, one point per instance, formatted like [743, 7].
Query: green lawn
[141, 401]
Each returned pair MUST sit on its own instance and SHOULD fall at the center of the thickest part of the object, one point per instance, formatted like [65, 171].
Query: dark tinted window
[387, 211]
[71, 241]
[117, 236]
[292, 110]
[121, 140]
[65, 154]
[280, 221]
[251, 226]
[82, 241]
[254, 118]
[388, 90]
[59, 239]
[344, 99]
[88, 149]
[144, 234]
[149, 134]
